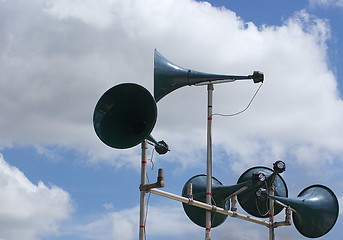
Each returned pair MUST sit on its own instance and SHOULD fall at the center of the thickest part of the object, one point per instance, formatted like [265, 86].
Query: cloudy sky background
[59, 181]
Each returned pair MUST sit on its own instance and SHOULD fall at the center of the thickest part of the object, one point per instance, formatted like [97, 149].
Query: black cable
[214, 213]
[152, 159]
[234, 114]
[148, 193]
[147, 207]
[146, 213]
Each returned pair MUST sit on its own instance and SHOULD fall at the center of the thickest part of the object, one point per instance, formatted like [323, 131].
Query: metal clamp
[158, 184]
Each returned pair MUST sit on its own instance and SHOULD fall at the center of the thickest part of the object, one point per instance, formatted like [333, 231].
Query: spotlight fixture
[279, 166]
[262, 193]
[258, 178]
[162, 147]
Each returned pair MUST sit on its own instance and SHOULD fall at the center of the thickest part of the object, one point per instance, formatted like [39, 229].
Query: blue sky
[59, 181]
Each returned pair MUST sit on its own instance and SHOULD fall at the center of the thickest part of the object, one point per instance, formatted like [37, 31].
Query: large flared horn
[125, 115]
[315, 210]
[220, 197]
[254, 205]
[169, 77]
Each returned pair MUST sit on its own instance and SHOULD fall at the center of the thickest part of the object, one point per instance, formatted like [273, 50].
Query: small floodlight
[262, 193]
[162, 147]
[279, 166]
[258, 178]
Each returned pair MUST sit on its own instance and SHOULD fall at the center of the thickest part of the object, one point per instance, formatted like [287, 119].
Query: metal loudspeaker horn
[196, 188]
[125, 115]
[254, 205]
[314, 211]
[169, 77]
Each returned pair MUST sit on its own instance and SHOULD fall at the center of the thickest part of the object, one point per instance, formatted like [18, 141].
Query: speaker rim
[336, 203]
[222, 217]
[271, 172]
[152, 107]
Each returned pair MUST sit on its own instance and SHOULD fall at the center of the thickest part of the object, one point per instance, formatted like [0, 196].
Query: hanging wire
[234, 114]
[151, 159]
[147, 205]
[258, 207]
[214, 213]
[146, 213]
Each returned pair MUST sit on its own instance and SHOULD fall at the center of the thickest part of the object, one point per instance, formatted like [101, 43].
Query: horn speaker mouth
[318, 212]
[197, 215]
[125, 115]
[254, 205]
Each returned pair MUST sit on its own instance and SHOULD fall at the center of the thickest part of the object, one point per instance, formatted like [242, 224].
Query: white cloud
[59, 57]
[163, 221]
[29, 211]
[327, 3]
[90, 12]
[169, 221]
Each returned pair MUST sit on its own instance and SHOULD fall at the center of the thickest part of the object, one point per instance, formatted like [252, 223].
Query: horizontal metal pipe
[280, 224]
[209, 207]
[221, 81]
[285, 206]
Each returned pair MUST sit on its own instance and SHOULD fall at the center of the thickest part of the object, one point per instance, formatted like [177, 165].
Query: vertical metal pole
[209, 160]
[271, 212]
[142, 210]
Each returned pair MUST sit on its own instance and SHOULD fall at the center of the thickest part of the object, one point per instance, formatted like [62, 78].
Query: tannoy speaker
[220, 197]
[315, 210]
[169, 77]
[125, 115]
[248, 199]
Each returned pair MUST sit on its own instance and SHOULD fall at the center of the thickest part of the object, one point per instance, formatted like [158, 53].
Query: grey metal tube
[142, 209]
[271, 211]
[209, 207]
[209, 161]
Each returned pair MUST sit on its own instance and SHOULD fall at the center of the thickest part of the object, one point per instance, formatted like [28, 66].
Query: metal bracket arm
[210, 207]
[158, 184]
[287, 221]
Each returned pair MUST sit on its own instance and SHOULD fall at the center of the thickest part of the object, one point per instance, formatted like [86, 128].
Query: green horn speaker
[125, 115]
[220, 198]
[248, 199]
[169, 77]
[316, 210]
